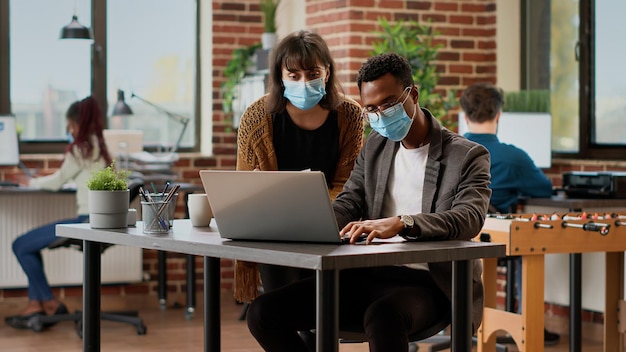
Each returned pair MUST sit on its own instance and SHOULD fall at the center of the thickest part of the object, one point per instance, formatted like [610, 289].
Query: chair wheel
[36, 325]
[142, 330]
[79, 328]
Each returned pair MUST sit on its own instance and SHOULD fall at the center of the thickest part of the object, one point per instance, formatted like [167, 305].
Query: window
[47, 74]
[584, 65]
[548, 62]
[608, 112]
[151, 50]
[153, 56]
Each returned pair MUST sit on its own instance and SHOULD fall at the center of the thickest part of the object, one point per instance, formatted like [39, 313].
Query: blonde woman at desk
[85, 154]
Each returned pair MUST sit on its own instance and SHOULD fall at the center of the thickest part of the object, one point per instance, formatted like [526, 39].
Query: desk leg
[212, 330]
[327, 323]
[162, 278]
[575, 293]
[461, 306]
[613, 295]
[91, 296]
[191, 286]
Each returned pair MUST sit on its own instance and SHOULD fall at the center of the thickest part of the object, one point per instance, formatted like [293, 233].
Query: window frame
[98, 76]
[587, 148]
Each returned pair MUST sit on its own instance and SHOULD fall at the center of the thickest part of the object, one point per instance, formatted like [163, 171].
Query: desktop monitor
[9, 147]
[531, 132]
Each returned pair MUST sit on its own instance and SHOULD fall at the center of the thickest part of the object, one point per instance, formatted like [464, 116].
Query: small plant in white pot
[108, 198]
[269, 37]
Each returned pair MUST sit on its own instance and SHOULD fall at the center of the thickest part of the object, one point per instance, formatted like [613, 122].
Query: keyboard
[9, 184]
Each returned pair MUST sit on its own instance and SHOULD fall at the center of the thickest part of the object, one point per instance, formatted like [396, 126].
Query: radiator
[22, 210]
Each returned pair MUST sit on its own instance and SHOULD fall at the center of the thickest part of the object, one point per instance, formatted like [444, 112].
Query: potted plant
[415, 41]
[108, 198]
[268, 38]
[236, 68]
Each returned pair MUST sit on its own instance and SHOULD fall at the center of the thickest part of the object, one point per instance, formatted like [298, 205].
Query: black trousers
[388, 303]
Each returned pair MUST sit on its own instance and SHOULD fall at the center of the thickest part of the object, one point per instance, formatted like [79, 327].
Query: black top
[298, 149]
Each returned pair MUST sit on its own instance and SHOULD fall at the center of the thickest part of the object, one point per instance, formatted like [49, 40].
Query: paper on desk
[148, 158]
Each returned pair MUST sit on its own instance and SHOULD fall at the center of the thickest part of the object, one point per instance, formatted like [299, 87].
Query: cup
[155, 217]
[171, 206]
[199, 209]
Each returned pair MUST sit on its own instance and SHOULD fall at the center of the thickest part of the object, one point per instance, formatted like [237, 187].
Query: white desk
[325, 259]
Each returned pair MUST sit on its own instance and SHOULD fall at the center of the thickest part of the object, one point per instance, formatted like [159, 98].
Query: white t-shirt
[406, 184]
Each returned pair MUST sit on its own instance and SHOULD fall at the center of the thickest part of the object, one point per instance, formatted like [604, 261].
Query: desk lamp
[121, 108]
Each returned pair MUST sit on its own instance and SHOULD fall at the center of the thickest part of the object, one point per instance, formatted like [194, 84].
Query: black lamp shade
[75, 30]
[120, 107]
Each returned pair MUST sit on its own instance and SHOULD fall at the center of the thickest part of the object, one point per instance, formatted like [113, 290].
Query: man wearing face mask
[305, 122]
[413, 178]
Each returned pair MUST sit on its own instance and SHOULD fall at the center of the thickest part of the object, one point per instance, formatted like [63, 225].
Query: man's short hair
[482, 101]
[377, 66]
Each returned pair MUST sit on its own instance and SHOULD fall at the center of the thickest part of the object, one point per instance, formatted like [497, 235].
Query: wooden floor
[168, 330]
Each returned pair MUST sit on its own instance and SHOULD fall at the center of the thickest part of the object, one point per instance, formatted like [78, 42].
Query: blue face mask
[305, 95]
[393, 122]
[70, 138]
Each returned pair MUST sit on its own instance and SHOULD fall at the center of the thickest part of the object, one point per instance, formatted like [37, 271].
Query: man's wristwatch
[408, 222]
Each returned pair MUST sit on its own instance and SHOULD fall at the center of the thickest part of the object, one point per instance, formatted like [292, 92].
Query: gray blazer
[454, 203]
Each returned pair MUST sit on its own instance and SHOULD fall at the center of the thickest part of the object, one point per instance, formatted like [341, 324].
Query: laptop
[291, 206]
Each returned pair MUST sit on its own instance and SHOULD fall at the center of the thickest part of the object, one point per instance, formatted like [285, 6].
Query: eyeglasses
[373, 114]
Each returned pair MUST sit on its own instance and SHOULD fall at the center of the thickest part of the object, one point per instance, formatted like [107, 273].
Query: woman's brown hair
[86, 113]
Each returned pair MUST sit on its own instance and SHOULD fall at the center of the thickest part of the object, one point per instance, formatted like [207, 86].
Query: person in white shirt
[85, 153]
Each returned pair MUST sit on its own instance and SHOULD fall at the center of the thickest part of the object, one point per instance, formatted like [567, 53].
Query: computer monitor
[9, 147]
[531, 132]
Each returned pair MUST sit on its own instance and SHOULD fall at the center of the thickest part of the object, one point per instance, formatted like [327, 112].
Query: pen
[167, 184]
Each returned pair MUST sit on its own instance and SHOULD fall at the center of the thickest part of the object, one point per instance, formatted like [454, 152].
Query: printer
[601, 184]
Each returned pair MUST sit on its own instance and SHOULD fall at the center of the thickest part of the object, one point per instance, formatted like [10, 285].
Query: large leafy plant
[415, 41]
[108, 179]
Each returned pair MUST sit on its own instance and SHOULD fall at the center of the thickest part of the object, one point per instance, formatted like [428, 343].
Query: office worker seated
[414, 179]
[85, 153]
[513, 173]
[305, 122]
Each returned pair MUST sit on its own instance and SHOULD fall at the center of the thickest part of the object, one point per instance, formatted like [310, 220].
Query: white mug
[200, 212]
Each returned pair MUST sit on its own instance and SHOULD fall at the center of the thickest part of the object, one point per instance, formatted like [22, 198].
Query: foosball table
[531, 237]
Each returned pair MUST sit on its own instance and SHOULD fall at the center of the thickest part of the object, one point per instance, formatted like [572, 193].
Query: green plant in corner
[415, 41]
[527, 101]
[234, 72]
[269, 7]
[109, 179]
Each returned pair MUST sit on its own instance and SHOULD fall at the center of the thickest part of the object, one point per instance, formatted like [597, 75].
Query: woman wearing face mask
[304, 122]
[85, 153]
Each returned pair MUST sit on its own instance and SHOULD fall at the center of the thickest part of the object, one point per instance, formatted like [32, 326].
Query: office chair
[355, 334]
[38, 323]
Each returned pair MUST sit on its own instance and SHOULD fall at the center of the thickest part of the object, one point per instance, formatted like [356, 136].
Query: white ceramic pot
[108, 209]
[268, 40]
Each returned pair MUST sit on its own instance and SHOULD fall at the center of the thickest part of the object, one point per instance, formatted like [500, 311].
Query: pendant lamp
[75, 30]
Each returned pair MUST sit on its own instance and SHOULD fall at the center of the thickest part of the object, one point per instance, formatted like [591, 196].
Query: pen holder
[155, 217]
[171, 206]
